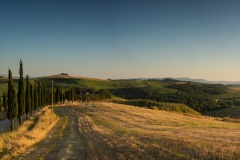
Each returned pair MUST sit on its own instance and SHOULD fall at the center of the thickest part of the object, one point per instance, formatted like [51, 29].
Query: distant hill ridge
[190, 80]
[206, 81]
[71, 77]
[99, 79]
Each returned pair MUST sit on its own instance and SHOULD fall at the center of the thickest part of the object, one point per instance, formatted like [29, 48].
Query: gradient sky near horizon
[122, 38]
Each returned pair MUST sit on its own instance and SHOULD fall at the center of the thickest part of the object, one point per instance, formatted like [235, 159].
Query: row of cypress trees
[27, 100]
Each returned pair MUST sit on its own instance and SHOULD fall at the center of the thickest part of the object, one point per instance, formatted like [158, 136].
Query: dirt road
[65, 141]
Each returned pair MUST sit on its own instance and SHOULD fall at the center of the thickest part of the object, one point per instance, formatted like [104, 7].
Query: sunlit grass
[117, 131]
[31, 132]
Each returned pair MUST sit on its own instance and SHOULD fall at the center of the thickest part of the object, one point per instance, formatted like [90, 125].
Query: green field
[233, 112]
[232, 92]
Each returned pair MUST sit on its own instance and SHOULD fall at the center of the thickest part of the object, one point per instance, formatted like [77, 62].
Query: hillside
[116, 131]
[201, 97]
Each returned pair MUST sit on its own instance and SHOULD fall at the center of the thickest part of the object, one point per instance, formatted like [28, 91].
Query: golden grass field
[31, 132]
[106, 131]
[126, 132]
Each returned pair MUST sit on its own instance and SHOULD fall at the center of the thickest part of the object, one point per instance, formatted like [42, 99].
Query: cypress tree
[48, 97]
[43, 95]
[0, 105]
[5, 105]
[27, 98]
[57, 95]
[35, 97]
[12, 110]
[32, 97]
[72, 94]
[60, 95]
[21, 95]
[63, 98]
[39, 95]
[69, 97]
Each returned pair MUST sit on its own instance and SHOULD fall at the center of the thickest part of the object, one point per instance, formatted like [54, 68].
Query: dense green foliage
[160, 105]
[199, 101]
[99, 95]
[131, 93]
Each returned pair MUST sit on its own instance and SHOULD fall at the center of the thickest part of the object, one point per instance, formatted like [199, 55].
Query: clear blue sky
[122, 38]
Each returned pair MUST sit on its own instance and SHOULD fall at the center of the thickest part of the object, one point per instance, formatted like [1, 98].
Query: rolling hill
[165, 90]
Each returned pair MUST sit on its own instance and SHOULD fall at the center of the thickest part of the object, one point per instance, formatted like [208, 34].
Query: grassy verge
[31, 132]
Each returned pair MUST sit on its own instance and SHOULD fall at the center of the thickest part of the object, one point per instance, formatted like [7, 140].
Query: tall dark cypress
[39, 95]
[57, 95]
[43, 95]
[63, 96]
[60, 95]
[69, 97]
[47, 97]
[12, 110]
[73, 97]
[50, 97]
[0, 105]
[32, 97]
[5, 105]
[27, 98]
[35, 97]
[21, 94]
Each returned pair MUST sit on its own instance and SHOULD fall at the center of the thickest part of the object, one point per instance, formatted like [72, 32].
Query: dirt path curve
[63, 142]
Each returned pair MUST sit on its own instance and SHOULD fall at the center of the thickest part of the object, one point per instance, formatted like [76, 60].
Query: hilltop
[68, 77]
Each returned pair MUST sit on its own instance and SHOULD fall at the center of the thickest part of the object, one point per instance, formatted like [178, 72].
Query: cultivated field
[115, 131]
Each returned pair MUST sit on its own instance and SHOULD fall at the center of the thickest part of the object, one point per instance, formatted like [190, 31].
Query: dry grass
[116, 131]
[32, 131]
